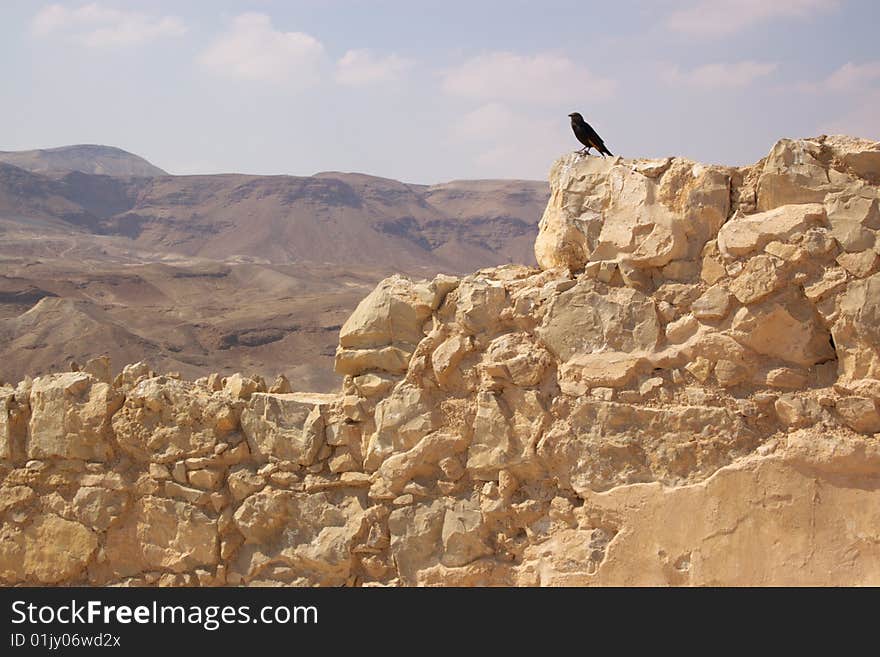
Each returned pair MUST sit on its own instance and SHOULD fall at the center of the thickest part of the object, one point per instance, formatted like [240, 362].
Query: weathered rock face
[686, 393]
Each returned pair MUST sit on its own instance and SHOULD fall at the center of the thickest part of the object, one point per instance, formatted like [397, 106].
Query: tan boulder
[860, 414]
[281, 385]
[742, 527]
[744, 235]
[833, 279]
[761, 276]
[49, 550]
[98, 507]
[854, 217]
[627, 211]
[239, 386]
[797, 411]
[373, 384]
[308, 533]
[593, 317]
[856, 330]
[288, 427]
[392, 313]
[70, 417]
[789, 331]
[354, 362]
[600, 444]
[785, 377]
[422, 459]
[505, 429]
[524, 360]
[161, 534]
[793, 172]
[99, 368]
[860, 264]
[166, 419]
[464, 535]
[713, 304]
[401, 419]
[416, 538]
[448, 354]
[478, 304]
[611, 369]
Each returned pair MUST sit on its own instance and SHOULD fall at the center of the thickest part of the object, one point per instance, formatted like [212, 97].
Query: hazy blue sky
[431, 91]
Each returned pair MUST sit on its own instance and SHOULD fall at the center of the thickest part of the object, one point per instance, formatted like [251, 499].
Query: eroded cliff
[685, 392]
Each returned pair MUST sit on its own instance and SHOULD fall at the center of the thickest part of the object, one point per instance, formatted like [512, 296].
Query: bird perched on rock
[587, 136]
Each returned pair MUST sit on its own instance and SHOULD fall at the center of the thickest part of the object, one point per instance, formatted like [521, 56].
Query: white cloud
[712, 18]
[498, 139]
[862, 119]
[96, 26]
[849, 77]
[720, 76]
[363, 67]
[252, 49]
[545, 77]
[488, 122]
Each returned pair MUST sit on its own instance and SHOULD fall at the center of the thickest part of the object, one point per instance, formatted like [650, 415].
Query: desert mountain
[85, 158]
[230, 272]
[339, 218]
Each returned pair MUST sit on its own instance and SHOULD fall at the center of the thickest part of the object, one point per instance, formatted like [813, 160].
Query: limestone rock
[98, 507]
[288, 426]
[790, 332]
[744, 235]
[854, 218]
[859, 413]
[422, 459]
[506, 426]
[49, 550]
[463, 535]
[610, 210]
[392, 313]
[611, 369]
[416, 538]
[604, 444]
[592, 317]
[713, 304]
[385, 359]
[70, 417]
[165, 419]
[306, 532]
[99, 368]
[281, 385]
[859, 264]
[761, 276]
[242, 387]
[793, 173]
[162, 534]
[857, 329]
[402, 419]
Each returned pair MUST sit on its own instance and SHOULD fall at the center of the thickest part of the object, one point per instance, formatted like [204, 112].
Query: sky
[428, 92]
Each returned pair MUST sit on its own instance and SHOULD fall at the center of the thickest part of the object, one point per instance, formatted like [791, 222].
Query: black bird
[587, 136]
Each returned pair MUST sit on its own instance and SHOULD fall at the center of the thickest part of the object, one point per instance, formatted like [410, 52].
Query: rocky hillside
[346, 219]
[83, 158]
[684, 393]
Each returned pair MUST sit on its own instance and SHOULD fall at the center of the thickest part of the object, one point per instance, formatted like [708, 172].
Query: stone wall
[685, 393]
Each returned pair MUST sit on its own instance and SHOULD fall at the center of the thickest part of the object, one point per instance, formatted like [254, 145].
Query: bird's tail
[605, 151]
